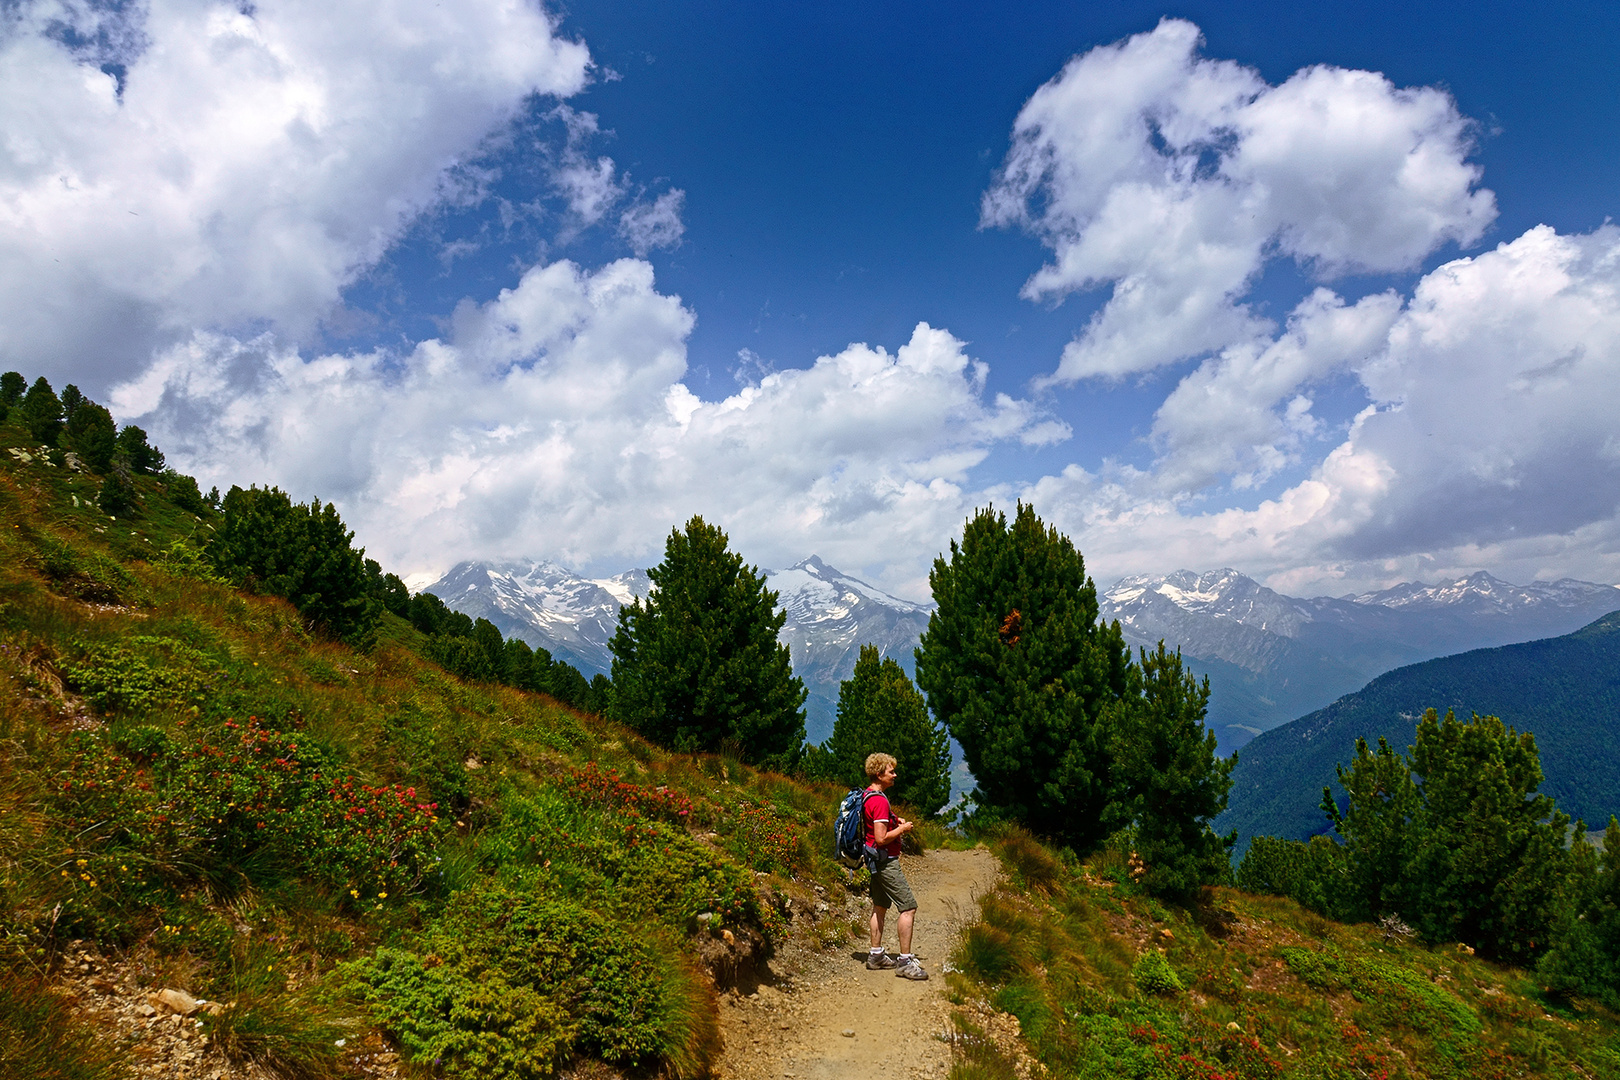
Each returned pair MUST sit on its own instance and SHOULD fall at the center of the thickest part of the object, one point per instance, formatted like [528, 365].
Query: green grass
[1107, 982]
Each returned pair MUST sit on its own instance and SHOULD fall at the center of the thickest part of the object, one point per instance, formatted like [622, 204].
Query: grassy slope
[1565, 690]
[1266, 990]
[130, 785]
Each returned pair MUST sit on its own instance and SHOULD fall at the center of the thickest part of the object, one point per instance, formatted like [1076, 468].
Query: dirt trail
[793, 1027]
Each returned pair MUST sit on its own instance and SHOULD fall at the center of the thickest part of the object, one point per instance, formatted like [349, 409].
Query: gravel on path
[820, 1015]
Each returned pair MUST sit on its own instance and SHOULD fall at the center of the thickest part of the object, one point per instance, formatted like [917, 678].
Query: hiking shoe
[880, 961]
[912, 970]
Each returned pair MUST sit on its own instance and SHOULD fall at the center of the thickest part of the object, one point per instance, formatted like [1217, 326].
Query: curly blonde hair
[876, 763]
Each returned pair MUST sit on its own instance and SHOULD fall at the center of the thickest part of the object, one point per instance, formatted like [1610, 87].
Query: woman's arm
[882, 834]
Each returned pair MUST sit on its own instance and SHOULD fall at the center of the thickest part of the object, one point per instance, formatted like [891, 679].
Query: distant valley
[1272, 658]
[1565, 690]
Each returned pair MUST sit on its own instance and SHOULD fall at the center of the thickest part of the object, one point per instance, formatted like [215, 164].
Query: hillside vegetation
[244, 764]
[1109, 984]
[1565, 689]
[351, 850]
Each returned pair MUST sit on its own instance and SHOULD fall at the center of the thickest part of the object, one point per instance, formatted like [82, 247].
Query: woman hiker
[884, 828]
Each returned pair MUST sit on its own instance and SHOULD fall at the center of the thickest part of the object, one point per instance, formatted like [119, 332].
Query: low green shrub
[1323, 969]
[187, 560]
[1154, 975]
[765, 839]
[510, 983]
[141, 675]
[1402, 996]
[661, 803]
[242, 802]
[1409, 998]
[645, 867]
[430, 752]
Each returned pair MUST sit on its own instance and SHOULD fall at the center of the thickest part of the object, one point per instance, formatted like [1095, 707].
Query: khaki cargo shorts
[891, 889]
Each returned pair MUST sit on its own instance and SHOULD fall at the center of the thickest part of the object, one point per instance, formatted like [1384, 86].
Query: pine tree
[698, 665]
[1585, 957]
[41, 412]
[302, 553]
[1453, 838]
[1170, 778]
[1016, 666]
[142, 456]
[879, 709]
[12, 386]
[92, 435]
[117, 495]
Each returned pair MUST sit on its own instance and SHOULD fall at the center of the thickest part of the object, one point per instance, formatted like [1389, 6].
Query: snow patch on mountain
[1271, 658]
[829, 615]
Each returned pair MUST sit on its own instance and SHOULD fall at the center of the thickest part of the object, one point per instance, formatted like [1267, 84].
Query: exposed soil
[818, 1014]
[161, 1029]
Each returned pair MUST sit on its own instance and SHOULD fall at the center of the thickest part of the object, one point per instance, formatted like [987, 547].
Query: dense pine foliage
[880, 710]
[1169, 779]
[697, 665]
[268, 543]
[1064, 732]
[1016, 666]
[1453, 840]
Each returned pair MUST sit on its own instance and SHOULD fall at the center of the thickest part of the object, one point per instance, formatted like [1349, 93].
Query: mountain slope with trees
[1273, 658]
[1564, 690]
[241, 761]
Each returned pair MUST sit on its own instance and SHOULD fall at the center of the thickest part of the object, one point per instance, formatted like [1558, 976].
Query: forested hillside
[1565, 691]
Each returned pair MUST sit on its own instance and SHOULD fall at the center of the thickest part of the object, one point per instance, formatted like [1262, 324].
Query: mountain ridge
[1564, 690]
[1270, 657]
[829, 615]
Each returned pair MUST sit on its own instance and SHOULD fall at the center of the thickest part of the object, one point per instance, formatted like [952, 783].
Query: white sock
[906, 957]
[877, 950]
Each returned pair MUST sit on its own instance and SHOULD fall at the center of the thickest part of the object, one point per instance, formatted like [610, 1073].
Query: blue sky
[515, 284]
[833, 159]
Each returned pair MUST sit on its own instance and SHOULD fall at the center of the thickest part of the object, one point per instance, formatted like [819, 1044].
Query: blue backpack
[849, 831]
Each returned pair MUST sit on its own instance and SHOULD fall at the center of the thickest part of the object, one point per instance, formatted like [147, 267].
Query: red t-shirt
[877, 809]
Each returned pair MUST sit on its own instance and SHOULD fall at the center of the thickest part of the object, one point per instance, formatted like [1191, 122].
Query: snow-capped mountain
[1481, 594]
[829, 616]
[546, 605]
[1271, 658]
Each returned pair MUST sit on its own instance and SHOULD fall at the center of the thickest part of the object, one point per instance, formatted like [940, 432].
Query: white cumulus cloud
[253, 160]
[1489, 442]
[1172, 179]
[553, 421]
